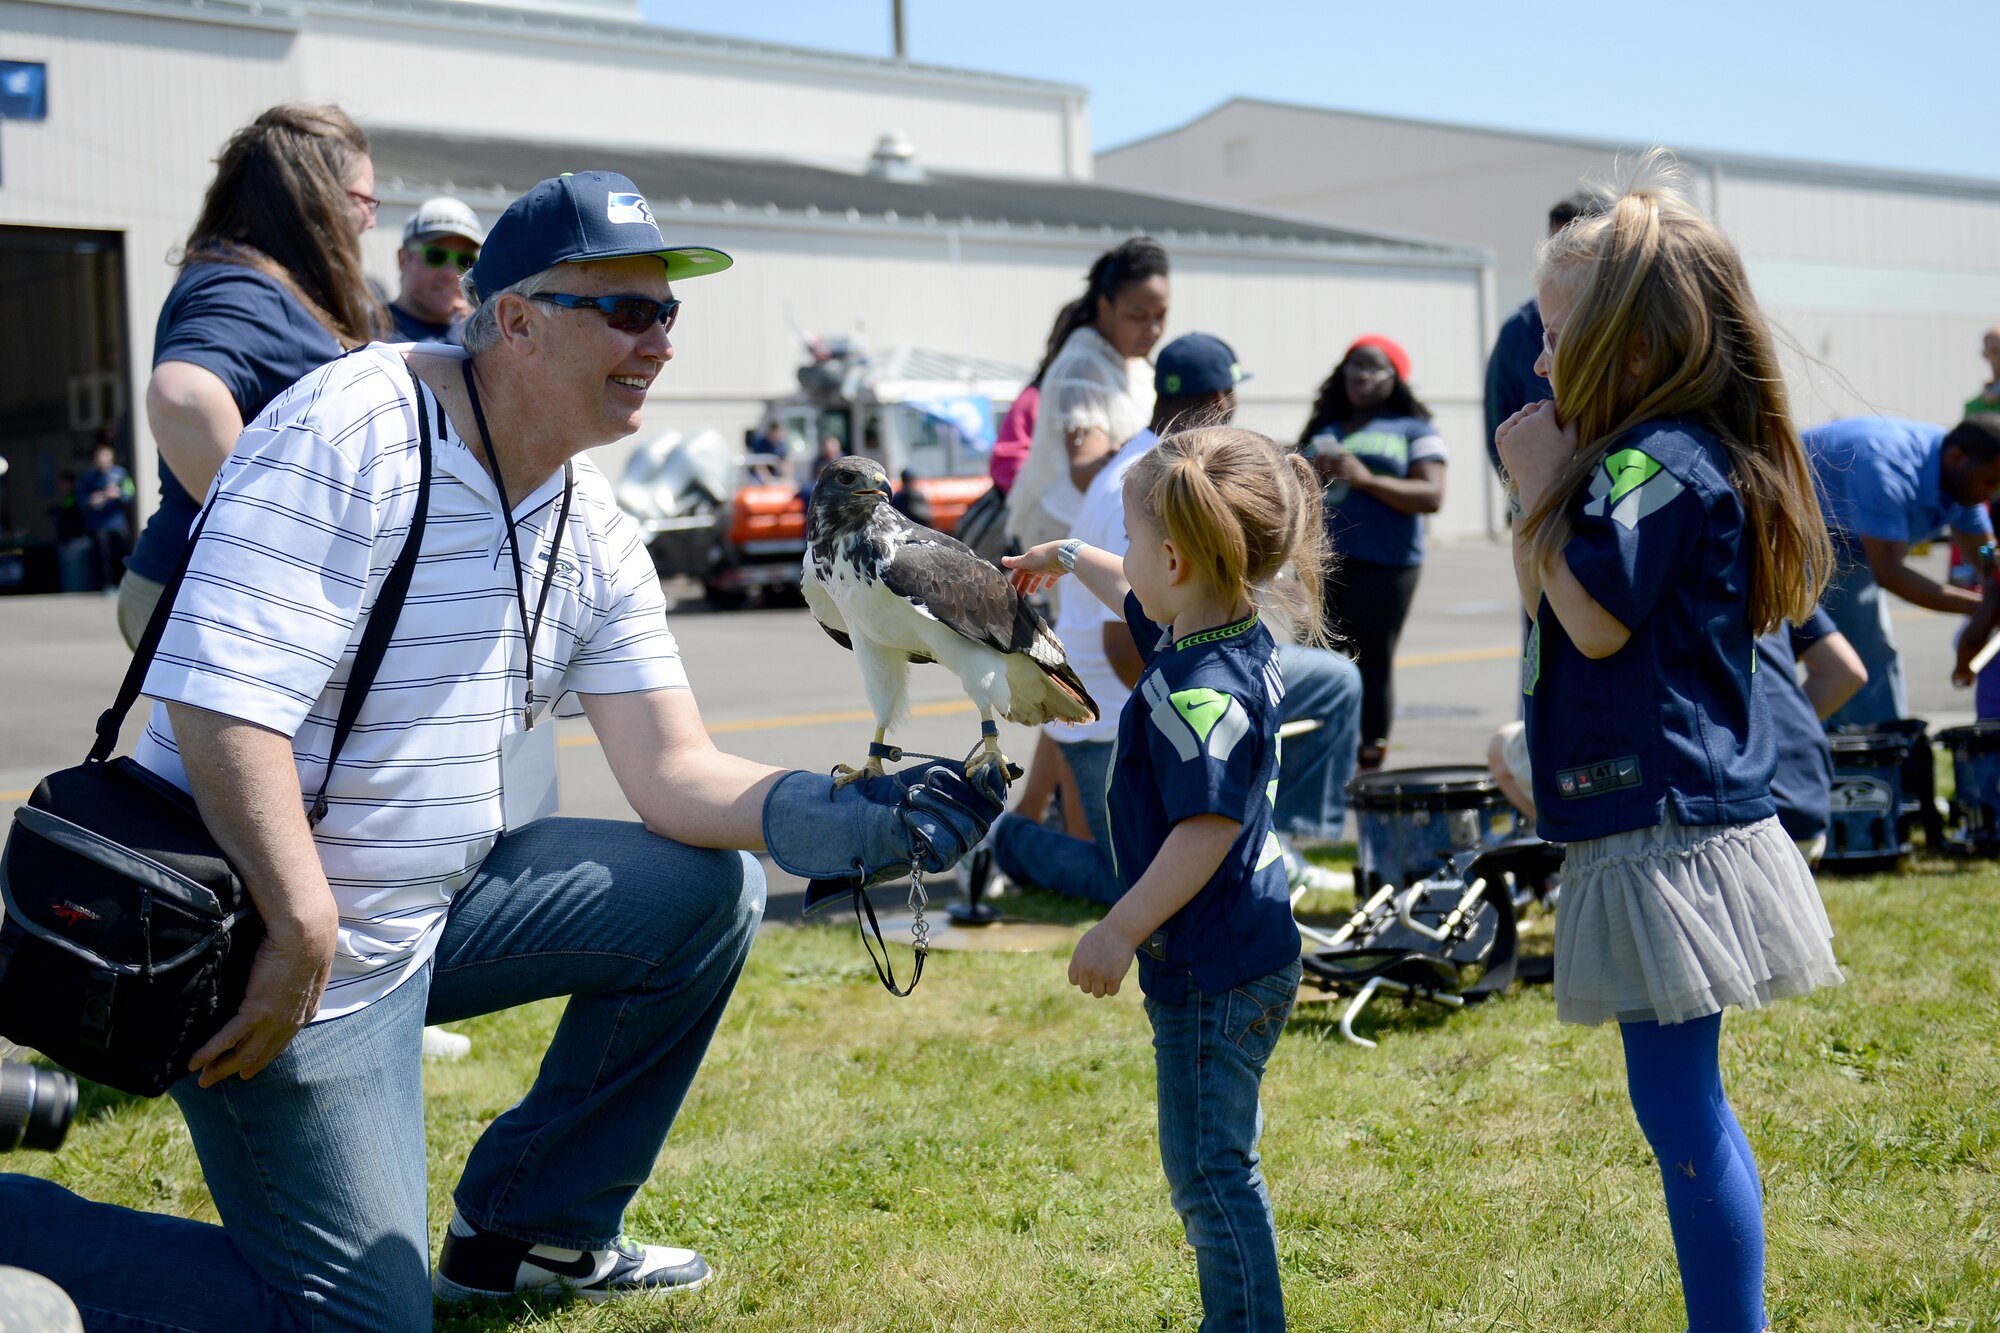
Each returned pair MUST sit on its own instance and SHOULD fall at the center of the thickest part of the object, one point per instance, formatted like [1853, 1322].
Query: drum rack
[1422, 942]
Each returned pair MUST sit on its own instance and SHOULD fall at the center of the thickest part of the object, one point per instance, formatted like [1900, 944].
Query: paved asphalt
[773, 687]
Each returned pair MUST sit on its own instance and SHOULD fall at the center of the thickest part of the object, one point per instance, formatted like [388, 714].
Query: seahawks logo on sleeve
[1630, 485]
[1196, 720]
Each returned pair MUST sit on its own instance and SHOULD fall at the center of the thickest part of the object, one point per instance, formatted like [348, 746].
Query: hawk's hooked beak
[882, 491]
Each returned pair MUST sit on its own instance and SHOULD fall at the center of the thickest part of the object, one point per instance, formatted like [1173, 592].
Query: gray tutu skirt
[1674, 922]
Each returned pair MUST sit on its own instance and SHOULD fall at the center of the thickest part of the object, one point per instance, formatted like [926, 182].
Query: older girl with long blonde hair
[1666, 520]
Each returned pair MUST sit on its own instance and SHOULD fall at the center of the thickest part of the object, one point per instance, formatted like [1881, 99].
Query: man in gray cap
[440, 244]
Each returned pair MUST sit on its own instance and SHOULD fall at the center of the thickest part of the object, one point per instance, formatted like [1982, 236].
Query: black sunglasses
[436, 256]
[627, 314]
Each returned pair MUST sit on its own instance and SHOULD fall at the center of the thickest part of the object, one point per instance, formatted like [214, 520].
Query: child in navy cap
[1213, 515]
[1667, 518]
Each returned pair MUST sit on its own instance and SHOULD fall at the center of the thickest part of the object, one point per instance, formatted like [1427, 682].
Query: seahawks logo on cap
[627, 208]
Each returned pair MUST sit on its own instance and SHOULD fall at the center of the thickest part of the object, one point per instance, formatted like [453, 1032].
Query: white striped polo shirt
[307, 517]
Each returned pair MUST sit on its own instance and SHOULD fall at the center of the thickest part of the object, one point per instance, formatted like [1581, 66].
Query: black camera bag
[128, 937]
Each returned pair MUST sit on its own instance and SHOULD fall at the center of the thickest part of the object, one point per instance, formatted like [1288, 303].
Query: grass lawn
[982, 1156]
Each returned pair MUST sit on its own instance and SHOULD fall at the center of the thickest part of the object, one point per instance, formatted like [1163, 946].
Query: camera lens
[35, 1106]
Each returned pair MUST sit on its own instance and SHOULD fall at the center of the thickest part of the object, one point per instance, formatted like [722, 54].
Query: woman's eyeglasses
[436, 256]
[627, 314]
[369, 203]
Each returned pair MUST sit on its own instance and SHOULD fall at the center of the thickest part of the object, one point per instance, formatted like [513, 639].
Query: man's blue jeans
[1032, 853]
[1315, 766]
[1209, 1056]
[1312, 783]
[1860, 610]
[317, 1164]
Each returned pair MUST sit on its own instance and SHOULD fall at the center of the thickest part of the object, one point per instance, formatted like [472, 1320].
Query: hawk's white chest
[874, 612]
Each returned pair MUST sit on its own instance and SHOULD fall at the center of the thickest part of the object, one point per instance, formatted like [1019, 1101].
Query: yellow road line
[1455, 655]
[832, 718]
[948, 707]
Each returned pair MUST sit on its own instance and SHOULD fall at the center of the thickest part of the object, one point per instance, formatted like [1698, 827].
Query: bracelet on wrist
[1066, 554]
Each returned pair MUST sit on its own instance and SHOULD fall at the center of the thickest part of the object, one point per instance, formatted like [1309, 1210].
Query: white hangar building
[968, 246]
[1883, 280]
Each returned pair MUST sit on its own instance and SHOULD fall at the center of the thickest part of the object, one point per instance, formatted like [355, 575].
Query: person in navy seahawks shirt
[270, 288]
[1807, 671]
[1802, 782]
[1666, 519]
[1512, 382]
[1382, 463]
[1213, 516]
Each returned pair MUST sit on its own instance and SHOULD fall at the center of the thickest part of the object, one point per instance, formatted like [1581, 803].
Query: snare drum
[1409, 819]
[1975, 804]
[1865, 824]
[1920, 806]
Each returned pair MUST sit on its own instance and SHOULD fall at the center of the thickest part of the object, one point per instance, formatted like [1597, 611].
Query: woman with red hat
[1381, 462]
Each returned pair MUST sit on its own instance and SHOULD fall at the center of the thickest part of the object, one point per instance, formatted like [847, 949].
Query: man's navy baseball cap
[571, 219]
[1193, 366]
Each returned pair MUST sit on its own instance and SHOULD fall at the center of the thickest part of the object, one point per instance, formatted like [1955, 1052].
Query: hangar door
[63, 383]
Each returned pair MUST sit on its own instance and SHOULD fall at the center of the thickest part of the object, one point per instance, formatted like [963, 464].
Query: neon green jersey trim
[1218, 634]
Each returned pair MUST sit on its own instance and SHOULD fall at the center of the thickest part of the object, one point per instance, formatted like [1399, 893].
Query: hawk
[896, 592]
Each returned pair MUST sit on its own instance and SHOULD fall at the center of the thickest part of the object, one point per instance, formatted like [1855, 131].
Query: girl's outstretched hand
[1101, 960]
[1035, 568]
[1534, 447]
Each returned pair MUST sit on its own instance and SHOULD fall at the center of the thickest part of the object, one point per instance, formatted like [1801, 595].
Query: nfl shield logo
[627, 208]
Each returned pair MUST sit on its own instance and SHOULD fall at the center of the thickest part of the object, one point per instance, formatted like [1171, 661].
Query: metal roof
[602, 21]
[415, 162]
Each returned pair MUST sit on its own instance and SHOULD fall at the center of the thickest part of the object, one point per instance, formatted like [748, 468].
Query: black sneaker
[478, 1263]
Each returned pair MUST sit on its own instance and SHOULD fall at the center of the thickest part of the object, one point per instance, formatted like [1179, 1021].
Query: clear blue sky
[1908, 84]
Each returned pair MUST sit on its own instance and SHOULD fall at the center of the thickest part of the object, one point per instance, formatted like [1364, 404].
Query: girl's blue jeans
[1209, 1055]
[317, 1165]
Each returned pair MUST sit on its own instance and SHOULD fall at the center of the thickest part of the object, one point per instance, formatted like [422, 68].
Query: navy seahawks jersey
[1675, 716]
[1199, 736]
[1362, 527]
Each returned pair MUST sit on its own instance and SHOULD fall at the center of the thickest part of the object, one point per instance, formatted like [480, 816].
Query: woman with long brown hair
[270, 287]
[1666, 519]
[1096, 390]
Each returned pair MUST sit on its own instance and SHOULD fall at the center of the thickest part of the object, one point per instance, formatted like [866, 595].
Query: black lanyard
[530, 628]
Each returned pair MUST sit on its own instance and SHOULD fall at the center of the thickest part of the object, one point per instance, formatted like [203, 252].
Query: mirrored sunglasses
[436, 256]
[627, 314]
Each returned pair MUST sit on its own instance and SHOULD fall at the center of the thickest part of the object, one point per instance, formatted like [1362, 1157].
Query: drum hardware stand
[1403, 988]
[1360, 955]
[978, 925]
[974, 911]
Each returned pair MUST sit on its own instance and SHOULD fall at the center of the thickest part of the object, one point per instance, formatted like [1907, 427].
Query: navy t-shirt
[410, 329]
[1199, 736]
[255, 337]
[1803, 782]
[1360, 526]
[1674, 716]
[1511, 381]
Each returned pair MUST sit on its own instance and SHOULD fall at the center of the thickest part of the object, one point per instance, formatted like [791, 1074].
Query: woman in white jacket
[1096, 387]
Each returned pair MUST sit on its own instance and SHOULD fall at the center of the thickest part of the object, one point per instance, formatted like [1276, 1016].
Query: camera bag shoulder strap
[368, 655]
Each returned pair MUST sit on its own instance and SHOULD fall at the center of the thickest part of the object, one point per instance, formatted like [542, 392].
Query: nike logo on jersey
[1630, 485]
[1196, 720]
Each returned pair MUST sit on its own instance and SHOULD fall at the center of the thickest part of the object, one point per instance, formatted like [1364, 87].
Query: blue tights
[1713, 1200]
